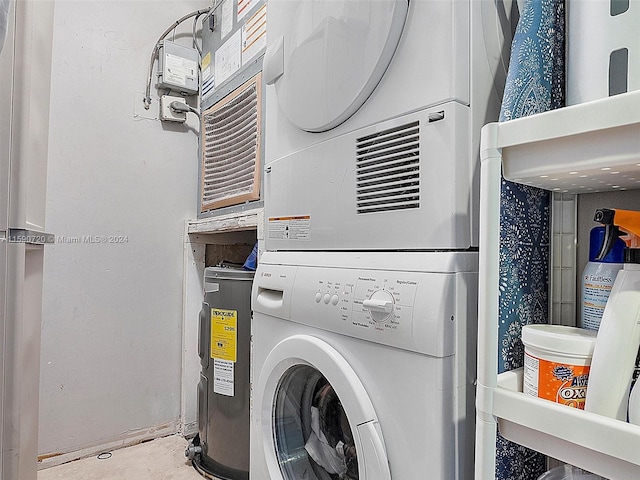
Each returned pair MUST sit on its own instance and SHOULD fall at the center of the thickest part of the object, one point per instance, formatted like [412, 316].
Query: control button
[318, 297]
[380, 305]
[334, 300]
[327, 298]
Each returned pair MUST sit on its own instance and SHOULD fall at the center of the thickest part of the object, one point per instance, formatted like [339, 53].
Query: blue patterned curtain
[535, 83]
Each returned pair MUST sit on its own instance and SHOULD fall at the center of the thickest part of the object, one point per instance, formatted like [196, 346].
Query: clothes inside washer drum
[330, 443]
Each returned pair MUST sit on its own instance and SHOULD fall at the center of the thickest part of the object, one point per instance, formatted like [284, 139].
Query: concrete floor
[160, 459]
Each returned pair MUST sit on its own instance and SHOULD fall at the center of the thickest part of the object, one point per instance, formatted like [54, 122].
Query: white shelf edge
[599, 444]
[231, 222]
[597, 115]
[586, 148]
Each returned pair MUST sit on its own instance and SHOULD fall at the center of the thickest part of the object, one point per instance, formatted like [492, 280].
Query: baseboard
[189, 429]
[126, 440]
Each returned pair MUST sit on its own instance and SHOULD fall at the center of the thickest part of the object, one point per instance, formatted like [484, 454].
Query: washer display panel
[312, 433]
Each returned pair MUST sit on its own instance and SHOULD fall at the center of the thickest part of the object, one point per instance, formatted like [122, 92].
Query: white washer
[374, 117]
[365, 370]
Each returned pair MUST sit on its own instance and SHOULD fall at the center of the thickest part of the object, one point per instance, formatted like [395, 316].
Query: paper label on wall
[228, 58]
[224, 334]
[290, 228]
[207, 88]
[223, 377]
[208, 82]
[226, 18]
[205, 64]
[207, 74]
[254, 35]
[245, 6]
[178, 69]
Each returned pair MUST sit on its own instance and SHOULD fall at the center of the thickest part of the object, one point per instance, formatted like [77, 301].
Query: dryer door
[326, 57]
[322, 422]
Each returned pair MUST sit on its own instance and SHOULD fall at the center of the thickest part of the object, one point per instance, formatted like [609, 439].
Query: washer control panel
[383, 303]
[412, 310]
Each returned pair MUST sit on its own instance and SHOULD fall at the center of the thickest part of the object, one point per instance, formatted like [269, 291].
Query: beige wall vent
[231, 132]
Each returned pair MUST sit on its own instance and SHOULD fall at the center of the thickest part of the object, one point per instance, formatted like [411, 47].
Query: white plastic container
[557, 359]
[607, 63]
[617, 346]
[634, 404]
[569, 472]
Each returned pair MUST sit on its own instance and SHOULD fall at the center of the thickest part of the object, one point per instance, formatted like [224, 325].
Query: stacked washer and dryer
[364, 302]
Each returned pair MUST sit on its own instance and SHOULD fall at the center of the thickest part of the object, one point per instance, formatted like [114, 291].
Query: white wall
[112, 320]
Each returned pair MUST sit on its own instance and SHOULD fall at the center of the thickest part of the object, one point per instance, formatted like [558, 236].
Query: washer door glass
[332, 54]
[313, 438]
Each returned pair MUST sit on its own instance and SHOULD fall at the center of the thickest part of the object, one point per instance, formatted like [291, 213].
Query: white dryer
[364, 371]
[374, 117]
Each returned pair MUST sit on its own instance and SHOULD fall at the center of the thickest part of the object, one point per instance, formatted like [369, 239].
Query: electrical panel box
[178, 68]
[232, 105]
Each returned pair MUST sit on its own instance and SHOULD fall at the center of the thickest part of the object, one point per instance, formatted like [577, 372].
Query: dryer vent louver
[231, 148]
[388, 170]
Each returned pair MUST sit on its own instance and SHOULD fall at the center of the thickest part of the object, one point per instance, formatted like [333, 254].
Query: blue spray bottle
[598, 277]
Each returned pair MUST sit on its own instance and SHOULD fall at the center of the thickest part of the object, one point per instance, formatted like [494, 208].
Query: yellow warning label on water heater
[224, 334]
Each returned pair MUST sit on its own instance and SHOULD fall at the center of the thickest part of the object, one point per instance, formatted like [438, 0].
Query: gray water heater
[224, 344]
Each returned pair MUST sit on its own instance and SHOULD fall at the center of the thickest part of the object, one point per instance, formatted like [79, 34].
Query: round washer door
[318, 422]
[331, 54]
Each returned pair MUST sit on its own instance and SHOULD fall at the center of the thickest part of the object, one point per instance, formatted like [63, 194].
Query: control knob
[380, 305]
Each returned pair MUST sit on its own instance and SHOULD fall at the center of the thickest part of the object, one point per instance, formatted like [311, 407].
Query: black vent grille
[230, 148]
[388, 170]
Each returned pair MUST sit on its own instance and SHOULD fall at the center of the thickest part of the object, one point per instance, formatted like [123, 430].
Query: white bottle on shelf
[618, 338]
